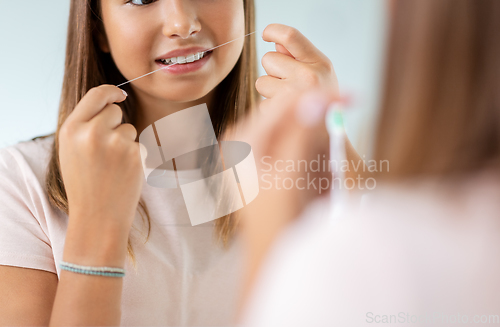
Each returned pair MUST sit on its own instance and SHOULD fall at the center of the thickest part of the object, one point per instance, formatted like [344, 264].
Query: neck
[151, 109]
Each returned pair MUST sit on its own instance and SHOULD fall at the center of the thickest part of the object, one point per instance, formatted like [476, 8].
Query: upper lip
[182, 52]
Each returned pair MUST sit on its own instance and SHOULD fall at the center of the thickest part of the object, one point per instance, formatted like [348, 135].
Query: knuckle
[92, 135]
[96, 92]
[93, 129]
[331, 69]
[100, 91]
[327, 65]
[310, 78]
[290, 34]
[89, 142]
[116, 141]
[66, 130]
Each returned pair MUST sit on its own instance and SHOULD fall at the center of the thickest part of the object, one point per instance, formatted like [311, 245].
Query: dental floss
[335, 126]
[178, 63]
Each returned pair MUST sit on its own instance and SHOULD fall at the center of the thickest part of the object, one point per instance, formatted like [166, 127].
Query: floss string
[154, 71]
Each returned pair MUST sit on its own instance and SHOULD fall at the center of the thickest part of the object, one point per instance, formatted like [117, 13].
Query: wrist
[90, 245]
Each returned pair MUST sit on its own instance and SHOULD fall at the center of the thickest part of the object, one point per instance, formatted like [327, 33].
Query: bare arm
[30, 297]
[26, 296]
[102, 173]
[88, 300]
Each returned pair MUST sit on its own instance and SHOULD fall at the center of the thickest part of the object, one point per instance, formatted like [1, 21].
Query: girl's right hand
[100, 164]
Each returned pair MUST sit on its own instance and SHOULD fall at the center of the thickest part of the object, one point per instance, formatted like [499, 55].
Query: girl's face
[141, 32]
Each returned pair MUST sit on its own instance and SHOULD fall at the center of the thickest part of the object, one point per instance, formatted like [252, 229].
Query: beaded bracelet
[87, 270]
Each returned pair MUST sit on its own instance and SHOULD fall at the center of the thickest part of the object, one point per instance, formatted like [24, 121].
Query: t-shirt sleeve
[23, 240]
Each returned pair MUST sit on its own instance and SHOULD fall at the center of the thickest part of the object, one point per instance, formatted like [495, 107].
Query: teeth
[182, 59]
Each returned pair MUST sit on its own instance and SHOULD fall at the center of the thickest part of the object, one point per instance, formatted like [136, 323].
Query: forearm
[88, 299]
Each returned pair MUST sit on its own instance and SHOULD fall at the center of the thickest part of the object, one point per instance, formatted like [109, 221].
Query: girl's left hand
[296, 66]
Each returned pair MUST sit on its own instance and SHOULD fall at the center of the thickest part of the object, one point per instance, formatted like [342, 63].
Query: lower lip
[178, 69]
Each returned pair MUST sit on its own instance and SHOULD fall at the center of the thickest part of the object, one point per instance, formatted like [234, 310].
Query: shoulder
[26, 159]
[411, 224]
[407, 246]
[26, 215]
[23, 167]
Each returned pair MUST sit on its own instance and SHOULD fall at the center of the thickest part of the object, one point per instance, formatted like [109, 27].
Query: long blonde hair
[86, 66]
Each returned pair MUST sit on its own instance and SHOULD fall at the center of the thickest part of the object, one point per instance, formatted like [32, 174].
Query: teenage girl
[77, 196]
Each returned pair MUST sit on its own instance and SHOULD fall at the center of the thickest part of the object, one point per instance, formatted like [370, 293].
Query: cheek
[229, 16]
[228, 23]
[130, 45]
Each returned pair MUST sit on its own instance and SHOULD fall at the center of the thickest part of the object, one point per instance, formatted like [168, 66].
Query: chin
[193, 93]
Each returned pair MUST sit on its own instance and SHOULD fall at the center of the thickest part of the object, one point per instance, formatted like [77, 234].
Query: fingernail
[125, 93]
[311, 110]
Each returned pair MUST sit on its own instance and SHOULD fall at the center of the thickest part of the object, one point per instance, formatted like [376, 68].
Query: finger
[278, 65]
[95, 100]
[283, 50]
[110, 117]
[268, 86]
[128, 131]
[294, 42]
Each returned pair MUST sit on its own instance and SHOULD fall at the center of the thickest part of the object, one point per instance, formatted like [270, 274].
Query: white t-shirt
[183, 277]
[416, 255]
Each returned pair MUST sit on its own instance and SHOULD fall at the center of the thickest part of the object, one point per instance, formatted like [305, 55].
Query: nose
[180, 19]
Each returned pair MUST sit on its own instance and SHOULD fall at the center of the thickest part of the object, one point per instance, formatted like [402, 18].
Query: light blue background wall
[32, 42]
[352, 34]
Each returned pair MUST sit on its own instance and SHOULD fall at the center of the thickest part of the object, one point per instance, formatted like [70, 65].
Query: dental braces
[177, 63]
[184, 59]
